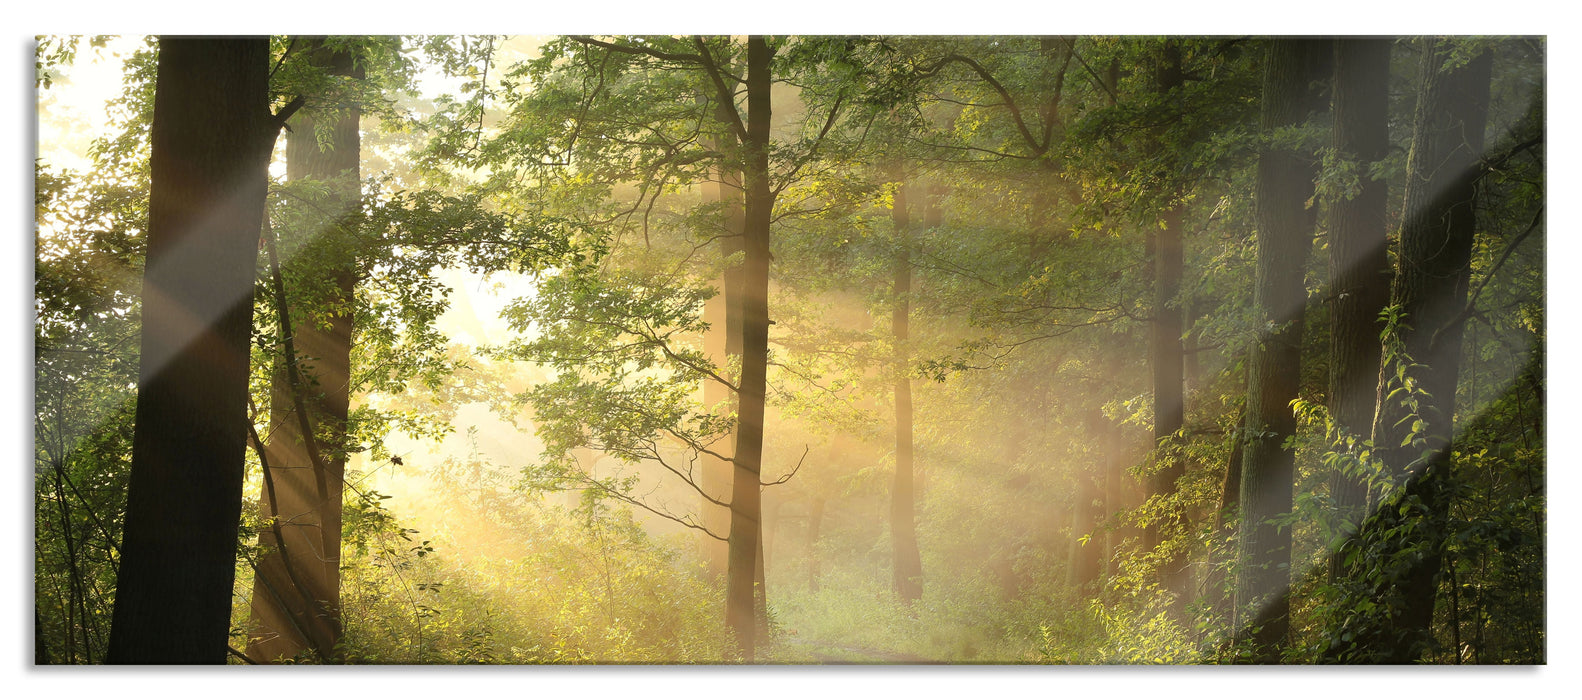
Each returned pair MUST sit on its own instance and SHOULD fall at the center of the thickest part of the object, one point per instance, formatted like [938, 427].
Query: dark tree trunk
[1358, 251]
[291, 622]
[907, 566]
[1225, 520]
[211, 139]
[40, 647]
[745, 491]
[1430, 291]
[1285, 240]
[1165, 251]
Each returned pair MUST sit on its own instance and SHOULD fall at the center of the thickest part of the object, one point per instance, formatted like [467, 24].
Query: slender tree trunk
[1083, 565]
[211, 139]
[766, 539]
[907, 566]
[311, 519]
[1430, 291]
[40, 647]
[1285, 240]
[1165, 349]
[1118, 487]
[723, 343]
[1358, 252]
[746, 490]
[1225, 521]
[815, 522]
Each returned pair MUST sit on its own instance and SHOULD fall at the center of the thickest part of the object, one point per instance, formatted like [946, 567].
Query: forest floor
[812, 651]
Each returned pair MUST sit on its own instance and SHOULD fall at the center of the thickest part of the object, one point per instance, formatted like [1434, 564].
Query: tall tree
[1359, 282]
[212, 135]
[745, 487]
[1165, 351]
[298, 611]
[723, 341]
[1285, 174]
[1422, 356]
[907, 566]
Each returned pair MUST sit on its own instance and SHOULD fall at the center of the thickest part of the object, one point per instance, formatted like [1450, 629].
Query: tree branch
[1472, 300]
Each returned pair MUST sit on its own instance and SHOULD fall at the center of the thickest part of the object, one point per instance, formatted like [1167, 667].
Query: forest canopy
[790, 350]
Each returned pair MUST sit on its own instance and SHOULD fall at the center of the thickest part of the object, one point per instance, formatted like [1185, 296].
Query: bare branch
[787, 477]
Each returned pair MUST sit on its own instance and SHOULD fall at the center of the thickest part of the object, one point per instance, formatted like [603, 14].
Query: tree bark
[1430, 291]
[1285, 240]
[1166, 356]
[1358, 252]
[304, 621]
[1225, 520]
[723, 342]
[746, 489]
[211, 139]
[907, 566]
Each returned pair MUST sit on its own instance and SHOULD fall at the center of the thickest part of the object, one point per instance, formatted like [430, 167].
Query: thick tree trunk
[1285, 240]
[1430, 290]
[291, 622]
[907, 566]
[1358, 251]
[745, 491]
[211, 139]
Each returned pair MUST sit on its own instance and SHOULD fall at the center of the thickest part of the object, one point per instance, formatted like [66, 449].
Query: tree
[298, 611]
[907, 565]
[1421, 358]
[1286, 172]
[748, 455]
[212, 135]
[1359, 283]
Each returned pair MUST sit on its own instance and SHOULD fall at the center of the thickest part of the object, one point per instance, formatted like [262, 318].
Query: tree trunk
[745, 490]
[1358, 252]
[907, 566]
[1285, 239]
[1165, 346]
[292, 622]
[211, 139]
[723, 342]
[1083, 565]
[815, 522]
[40, 647]
[1225, 520]
[1430, 291]
[766, 539]
[1118, 487]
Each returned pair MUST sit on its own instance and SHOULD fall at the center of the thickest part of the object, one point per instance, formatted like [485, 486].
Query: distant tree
[1165, 351]
[212, 135]
[907, 566]
[299, 611]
